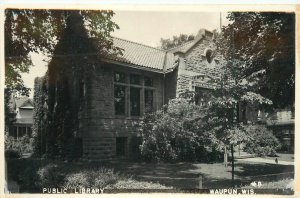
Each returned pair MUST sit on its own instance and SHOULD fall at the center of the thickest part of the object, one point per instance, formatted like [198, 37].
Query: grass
[281, 184]
[176, 175]
[283, 157]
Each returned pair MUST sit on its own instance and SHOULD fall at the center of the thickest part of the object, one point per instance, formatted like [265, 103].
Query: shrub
[18, 147]
[133, 184]
[173, 133]
[51, 175]
[12, 154]
[77, 180]
[97, 178]
[262, 141]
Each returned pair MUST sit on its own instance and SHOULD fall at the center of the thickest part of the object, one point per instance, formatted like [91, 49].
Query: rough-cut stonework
[99, 125]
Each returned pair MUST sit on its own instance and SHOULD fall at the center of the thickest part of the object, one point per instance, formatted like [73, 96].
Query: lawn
[185, 175]
[283, 157]
[174, 175]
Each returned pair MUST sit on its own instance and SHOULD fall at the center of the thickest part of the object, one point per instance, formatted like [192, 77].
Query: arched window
[208, 55]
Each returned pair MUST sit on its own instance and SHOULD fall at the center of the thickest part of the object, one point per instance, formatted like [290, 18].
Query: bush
[51, 175]
[12, 154]
[262, 141]
[97, 178]
[18, 147]
[133, 184]
[174, 133]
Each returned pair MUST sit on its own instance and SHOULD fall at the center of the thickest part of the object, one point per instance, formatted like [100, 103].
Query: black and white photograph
[110, 101]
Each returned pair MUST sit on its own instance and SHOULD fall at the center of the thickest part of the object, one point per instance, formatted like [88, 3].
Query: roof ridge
[140, 44]
[181, 45]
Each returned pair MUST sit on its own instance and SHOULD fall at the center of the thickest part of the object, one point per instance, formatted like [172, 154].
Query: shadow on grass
[186, 175]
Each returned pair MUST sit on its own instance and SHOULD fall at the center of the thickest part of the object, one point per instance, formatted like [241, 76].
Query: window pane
[134, 101]
[119, 100]
[29, 132]
[135, 79]
[15, 131]
[119, 77]
[148, 100]
[148, 81]
[201, 96]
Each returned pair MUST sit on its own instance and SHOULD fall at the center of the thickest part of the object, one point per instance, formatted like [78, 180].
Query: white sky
[146, 27]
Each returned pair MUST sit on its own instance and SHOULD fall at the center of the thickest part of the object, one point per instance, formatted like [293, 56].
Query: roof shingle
[142, 55]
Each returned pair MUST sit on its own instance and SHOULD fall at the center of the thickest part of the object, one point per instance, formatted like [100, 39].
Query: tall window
[134, 101]
[135, 79]
[131, 91]
[148, 81]
[119, 77]
[119, 93]
[201, 96]
[148, 100]
[119, 100]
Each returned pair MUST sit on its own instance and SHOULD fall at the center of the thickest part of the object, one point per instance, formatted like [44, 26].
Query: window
[209, 56]
[148, 81]
[119, 100]
[29, 131]
[135, 79]
[134, 101]
[121, 146]
[131, 91]
[201, 96]
[119, 77]
[148, 100]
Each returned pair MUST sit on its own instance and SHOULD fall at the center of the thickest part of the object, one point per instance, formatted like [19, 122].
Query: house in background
[23, 108]
[282, 123]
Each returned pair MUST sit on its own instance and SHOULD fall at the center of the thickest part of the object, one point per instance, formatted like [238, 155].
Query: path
[267, 161]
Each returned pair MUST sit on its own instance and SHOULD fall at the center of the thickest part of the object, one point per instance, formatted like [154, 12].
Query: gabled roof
[184, 47]
[27, 120]
[143, 55]
[23, 102]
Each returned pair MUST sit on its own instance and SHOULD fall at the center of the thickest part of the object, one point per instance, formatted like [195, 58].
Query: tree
[265, 44]
[71, 38]
[248, 48]
[28, 31]
[175, 41]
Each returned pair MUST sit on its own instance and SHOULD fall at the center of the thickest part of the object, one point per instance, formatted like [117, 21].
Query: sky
[146, 27]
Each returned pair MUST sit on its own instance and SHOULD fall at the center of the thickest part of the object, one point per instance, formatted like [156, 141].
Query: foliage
[174, 133]
[262, 141]
[264, 44]
[133, 184]
[81, 44]
[175, 41]
[38, 31]
[12, 154]
[10, 114]
[16, 147]
[52, 175]
[39, 115]
[97, 178]
[280, 184]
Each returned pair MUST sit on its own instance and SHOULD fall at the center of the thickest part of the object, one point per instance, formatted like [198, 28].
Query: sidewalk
[267, 161]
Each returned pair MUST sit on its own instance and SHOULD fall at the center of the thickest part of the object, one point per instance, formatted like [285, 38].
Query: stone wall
[99, 125]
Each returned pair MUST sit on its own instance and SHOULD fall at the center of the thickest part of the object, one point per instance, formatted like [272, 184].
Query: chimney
[204, 33]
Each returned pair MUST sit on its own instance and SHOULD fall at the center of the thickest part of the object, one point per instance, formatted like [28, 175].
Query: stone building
[111, 93]
[143, 78]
